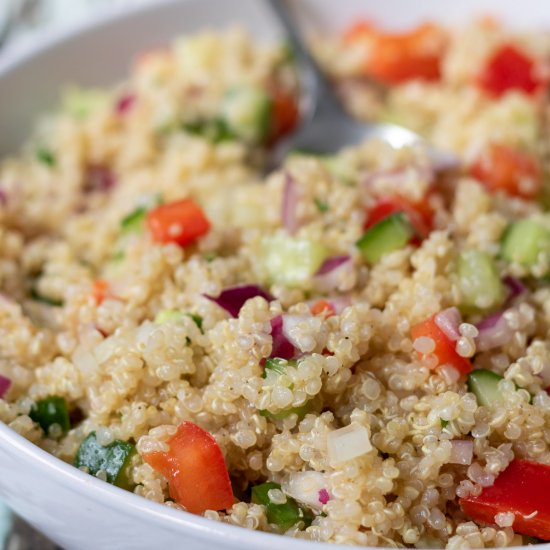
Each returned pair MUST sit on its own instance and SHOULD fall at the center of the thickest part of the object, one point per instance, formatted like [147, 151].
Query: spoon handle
[316, 85]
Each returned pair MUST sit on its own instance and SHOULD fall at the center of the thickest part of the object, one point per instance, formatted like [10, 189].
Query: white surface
[76, 510]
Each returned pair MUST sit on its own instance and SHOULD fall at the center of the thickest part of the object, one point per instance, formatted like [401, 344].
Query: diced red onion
[329, 275]
[494, 331]
[98, 178]
[515, 288]
[448, 321]
[324, 497]
[290, 322]
[125, 103]
[232, 299]
[5, 384]
[3, 198]
[545, 375]
[289, 206]
[281, 346]
[462, 452]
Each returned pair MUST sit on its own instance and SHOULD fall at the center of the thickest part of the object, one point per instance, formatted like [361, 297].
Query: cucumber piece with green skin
[300, 411]
[479, 281]
[246, 112]
[278, 365]
[388, 235]
[49, 411]
[483, 384]
[113, 459]
[523, 241]
[284, 515]
[292, 261]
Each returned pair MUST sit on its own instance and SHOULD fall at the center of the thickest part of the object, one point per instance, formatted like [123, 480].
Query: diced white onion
[462, 452]
[305, 487]
[348, 443]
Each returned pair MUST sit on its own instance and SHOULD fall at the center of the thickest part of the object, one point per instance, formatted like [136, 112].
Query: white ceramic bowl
[76, 510]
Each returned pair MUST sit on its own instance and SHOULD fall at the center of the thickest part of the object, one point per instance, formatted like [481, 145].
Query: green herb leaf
[45, 156]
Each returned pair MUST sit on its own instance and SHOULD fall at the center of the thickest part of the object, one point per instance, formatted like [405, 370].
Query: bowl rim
[89, 486]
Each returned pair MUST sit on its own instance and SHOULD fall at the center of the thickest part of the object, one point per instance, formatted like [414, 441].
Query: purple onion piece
[329, 276]
[98, 178]
[5, 384]
[3, 198]
[515, 288]
[494, 331]
[289, 205]
[125, 103]
[281, 346]
[324, 497]
[448, 321]
[332, 263]
[233, 299]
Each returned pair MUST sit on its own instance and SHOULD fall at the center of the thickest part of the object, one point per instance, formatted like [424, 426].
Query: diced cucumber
[247, 112]
[173, 315]
[292, 261]
[54, 302]
[278, 365]
[523, 241]
[81, 103]
[479, 281]
[339, 168]
[49, 411]
[113, 459]
[285, 515]
[300, 411]
[391, 233]
[215, 131]
[483, 384]
[133, 222]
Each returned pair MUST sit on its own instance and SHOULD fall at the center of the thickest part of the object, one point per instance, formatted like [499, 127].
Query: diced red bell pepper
[522, 489]
[419, 214]
[444, 348]
[181, 222]
[501, 168]
[509, 68]
[195, 470]
[324, 308]
[394, 58]
[100, 291]
[284, 114]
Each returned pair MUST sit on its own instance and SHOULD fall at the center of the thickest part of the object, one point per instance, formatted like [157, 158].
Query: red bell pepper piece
[195, 470]
[509, 68]
[444, 348]
[180, 222]
[397, 57]
[522, 489]
[501, 168]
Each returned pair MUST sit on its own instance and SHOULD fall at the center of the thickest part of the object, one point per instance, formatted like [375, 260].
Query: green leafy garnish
[55, 302]
[322, 206]
[45, 156]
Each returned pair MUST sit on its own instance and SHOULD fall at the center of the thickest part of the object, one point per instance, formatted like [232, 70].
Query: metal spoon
[326, 126]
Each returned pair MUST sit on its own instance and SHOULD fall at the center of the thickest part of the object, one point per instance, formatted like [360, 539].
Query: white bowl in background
[76, 510]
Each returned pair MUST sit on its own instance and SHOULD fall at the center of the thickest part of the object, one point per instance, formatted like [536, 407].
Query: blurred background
[21, 23]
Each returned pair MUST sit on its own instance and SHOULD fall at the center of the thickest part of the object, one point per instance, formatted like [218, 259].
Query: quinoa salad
[354, 348]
